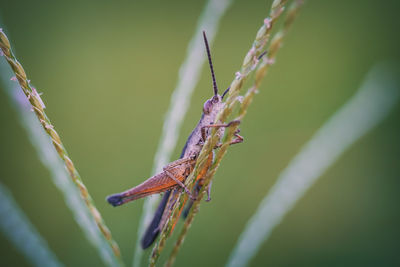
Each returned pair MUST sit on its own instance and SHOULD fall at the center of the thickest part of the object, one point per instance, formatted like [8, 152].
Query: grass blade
[369, 106]
[54, 156]
[18, 229]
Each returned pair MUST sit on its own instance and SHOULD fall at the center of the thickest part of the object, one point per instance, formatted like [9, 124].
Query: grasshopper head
[212, 104]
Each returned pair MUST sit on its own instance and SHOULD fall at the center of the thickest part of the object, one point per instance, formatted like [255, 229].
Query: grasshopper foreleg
[234, 122]
[237, 140]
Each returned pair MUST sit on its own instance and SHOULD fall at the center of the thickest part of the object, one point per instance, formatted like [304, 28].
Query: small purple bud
[240, 99]
[267, 22]
[270, 61]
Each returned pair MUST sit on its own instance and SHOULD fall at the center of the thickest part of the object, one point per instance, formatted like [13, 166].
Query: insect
[171, 179]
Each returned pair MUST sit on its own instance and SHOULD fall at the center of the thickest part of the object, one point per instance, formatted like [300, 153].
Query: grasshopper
[171, 179]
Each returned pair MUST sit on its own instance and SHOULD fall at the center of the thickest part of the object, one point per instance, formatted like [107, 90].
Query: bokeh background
[107, 70]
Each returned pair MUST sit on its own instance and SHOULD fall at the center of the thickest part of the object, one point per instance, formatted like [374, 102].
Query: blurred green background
[107, 70]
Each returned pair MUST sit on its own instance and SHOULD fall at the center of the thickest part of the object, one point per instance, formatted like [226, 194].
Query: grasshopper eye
[215, 99]
[207, 107]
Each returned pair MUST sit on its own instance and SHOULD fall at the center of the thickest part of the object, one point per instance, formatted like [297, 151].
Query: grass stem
[249, 64]
[86, 214]
[189, 75]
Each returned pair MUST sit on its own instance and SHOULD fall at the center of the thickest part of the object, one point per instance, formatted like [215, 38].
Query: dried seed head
[18, 69]
[4, 43]
[37, 96]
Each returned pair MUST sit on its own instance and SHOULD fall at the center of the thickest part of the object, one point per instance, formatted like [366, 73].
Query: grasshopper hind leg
[115, 200]
[170, 175]
[153, 229]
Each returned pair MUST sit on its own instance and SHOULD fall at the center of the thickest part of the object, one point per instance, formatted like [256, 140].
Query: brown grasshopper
[173, 176]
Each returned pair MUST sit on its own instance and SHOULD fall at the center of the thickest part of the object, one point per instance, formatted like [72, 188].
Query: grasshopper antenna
[210, 63]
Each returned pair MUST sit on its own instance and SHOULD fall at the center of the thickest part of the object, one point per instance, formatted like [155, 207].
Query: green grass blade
[369, 106]
[19, 230]
[54, 156]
